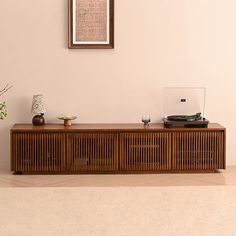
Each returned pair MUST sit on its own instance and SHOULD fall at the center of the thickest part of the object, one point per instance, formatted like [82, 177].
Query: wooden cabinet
[116, 148]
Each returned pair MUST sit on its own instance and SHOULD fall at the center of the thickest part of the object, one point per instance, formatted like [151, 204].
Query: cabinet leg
[17, 173]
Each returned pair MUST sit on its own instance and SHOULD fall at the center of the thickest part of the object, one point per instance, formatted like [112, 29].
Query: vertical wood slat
[195, 159]
[161, 152]
[209, 148]
[134, 158]
[201, 156]
[223, 139]
[173, 150]
[197, 150]
[123, 154]
[153, 152]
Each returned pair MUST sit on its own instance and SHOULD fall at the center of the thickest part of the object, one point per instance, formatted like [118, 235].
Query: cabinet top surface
[108, 127]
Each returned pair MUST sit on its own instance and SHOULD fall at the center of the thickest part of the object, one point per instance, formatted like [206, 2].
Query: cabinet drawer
[145, 151]
[38, 152]
[91, 152]
[198, 150]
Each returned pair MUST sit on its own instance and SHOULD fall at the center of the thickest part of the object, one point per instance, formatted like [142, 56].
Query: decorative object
[146, 119]
[116, 148]
[91, 24]
[38, 108]
[3, 111]
[3, 107]
[67, 119]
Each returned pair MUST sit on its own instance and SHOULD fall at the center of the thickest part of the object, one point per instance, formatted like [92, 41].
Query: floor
[224, 177]
[118, 211]
[119, 205]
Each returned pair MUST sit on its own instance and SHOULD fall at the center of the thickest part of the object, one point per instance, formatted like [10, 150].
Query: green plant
[3, 107]
[3, 111]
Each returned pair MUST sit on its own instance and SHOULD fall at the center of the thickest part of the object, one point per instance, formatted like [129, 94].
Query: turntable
[188, 106]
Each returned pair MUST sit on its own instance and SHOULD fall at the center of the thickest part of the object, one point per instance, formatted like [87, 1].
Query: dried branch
[5, 89]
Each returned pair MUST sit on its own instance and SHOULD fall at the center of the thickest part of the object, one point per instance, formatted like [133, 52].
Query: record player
[184, 108]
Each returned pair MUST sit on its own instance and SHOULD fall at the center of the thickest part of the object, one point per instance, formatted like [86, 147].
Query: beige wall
[158, 43]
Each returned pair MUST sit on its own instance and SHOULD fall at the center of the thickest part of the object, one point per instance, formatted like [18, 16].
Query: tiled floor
[225, 177]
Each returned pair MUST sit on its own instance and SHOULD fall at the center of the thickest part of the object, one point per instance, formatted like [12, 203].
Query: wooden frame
[105, 40]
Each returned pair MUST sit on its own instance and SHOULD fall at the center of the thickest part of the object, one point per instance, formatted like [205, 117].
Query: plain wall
[158, 43]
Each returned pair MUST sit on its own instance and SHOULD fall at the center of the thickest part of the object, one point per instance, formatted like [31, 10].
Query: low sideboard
[116, 148]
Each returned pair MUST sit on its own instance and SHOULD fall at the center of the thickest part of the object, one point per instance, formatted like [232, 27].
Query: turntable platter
[195, 117]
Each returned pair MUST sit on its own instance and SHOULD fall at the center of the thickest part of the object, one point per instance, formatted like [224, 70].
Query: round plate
[67, 117]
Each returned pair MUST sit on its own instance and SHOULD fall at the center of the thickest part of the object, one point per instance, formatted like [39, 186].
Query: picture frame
[91, 24]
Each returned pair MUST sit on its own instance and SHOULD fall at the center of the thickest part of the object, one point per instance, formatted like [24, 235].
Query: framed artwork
[91, 24]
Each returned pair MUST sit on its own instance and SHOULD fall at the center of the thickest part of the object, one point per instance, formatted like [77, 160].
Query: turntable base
[186, 124]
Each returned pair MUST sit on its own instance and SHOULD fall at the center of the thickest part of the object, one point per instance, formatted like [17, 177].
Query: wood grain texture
[116, 148]
[109, 127]
[147, 151]
[198, 150]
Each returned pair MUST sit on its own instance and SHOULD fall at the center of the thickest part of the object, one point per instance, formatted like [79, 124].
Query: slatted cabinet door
[116, 148]
[92, 152]
[198, 150]
[38, 152]
[145, 151]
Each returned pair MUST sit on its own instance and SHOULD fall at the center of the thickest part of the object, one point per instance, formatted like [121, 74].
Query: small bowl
[67, 119]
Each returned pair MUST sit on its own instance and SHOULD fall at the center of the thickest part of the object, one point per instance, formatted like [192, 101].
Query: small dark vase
[38, 120]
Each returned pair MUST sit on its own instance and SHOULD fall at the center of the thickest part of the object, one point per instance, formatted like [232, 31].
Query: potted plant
[3, 110]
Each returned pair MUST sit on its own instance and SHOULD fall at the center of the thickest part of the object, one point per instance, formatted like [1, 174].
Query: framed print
[91, 24]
